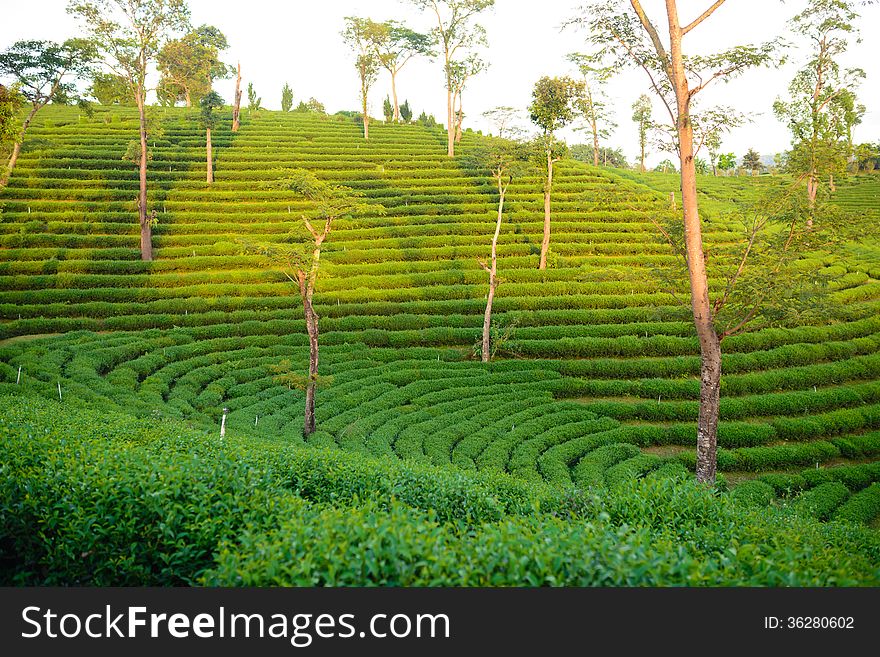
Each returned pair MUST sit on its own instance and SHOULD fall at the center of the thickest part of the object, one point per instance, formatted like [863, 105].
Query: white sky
[298, 41]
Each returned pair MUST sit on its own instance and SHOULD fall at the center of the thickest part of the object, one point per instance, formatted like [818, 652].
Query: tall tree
[555, 103]
[642, 118]
[388, 110]
[455, 33]
[505, 159]
[405, 112]
[461, 72]
[815, 126]
[631, 38]
[594, 103]
[357, 35]
[395, 45]
[208, 103]
[300, 259]
[236, 101]
[189, 65]
[130, 34]
[43, 72]
[286, 98]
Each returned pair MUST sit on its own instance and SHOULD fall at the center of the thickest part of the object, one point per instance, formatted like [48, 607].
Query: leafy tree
[642, 118]
[460, 72]
[426, 120]
[701, 166]
[43, 72]
[713, 145]
[727, 162]
[208, 103]
[505, 159]
[357, 35]
[629, 37]
[394, 45]
[752, 161]
[130, 34]
[455, 34]
[388, 110]
[555, 104]
[867, 156]
[406, 112]
[313, 106]
[286, 98]
[505, 120]
[10, 104]
[813, 111]
[189, 65]
[594, 103]
[666, 166]
[110, 89]
[300, 257]
[255, 102]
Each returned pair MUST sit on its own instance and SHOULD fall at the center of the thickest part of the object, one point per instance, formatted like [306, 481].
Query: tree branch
[702, 17]
[655, 37]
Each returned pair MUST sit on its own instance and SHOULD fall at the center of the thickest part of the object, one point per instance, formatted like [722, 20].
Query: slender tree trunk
[187, 98]
[210, 158]
[710, 345]
[548, 185]
[595, 143]
[812, 190]
[311, 385]
[493, 277]
[146, 226]
[394, 96]
[16, 148]
[642, 158]
[450, 122]
[366, 118]
[236, 107]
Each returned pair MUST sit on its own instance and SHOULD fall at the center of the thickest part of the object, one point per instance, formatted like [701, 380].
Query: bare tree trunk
[236, 107]
[16, 148]
[642, 159]
[146, 226]
[545, 243]
[710, 345]
[187, 98]
[366, 119]
[595, 144]
[493, 278]
[812, 190]
[312, 328]
[210, 158]
[394, 96]
[450, 123]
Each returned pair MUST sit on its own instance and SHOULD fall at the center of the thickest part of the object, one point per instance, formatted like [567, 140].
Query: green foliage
[754, 493]
[110, 89]
[406, 114]
[752, 161]
[189, 65]
[189, 508]
[208, 103]
[555, 103]
[44, 71]
[254, 101]
[387, 109]
[286, 98]
[10, 103]
[821, 501]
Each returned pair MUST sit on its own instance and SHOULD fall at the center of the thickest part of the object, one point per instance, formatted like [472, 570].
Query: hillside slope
[596, 381]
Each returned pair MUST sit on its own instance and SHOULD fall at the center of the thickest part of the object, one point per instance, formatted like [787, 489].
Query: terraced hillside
[596, 379]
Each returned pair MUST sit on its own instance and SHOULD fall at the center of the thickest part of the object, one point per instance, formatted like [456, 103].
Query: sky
[298, 42]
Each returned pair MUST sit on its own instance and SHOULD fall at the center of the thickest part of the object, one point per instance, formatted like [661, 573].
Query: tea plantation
[564, 461]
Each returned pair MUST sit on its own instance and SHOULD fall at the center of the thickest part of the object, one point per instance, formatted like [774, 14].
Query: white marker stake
[223, 424]
[256, 419]
[18, 378]
[59, 391]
